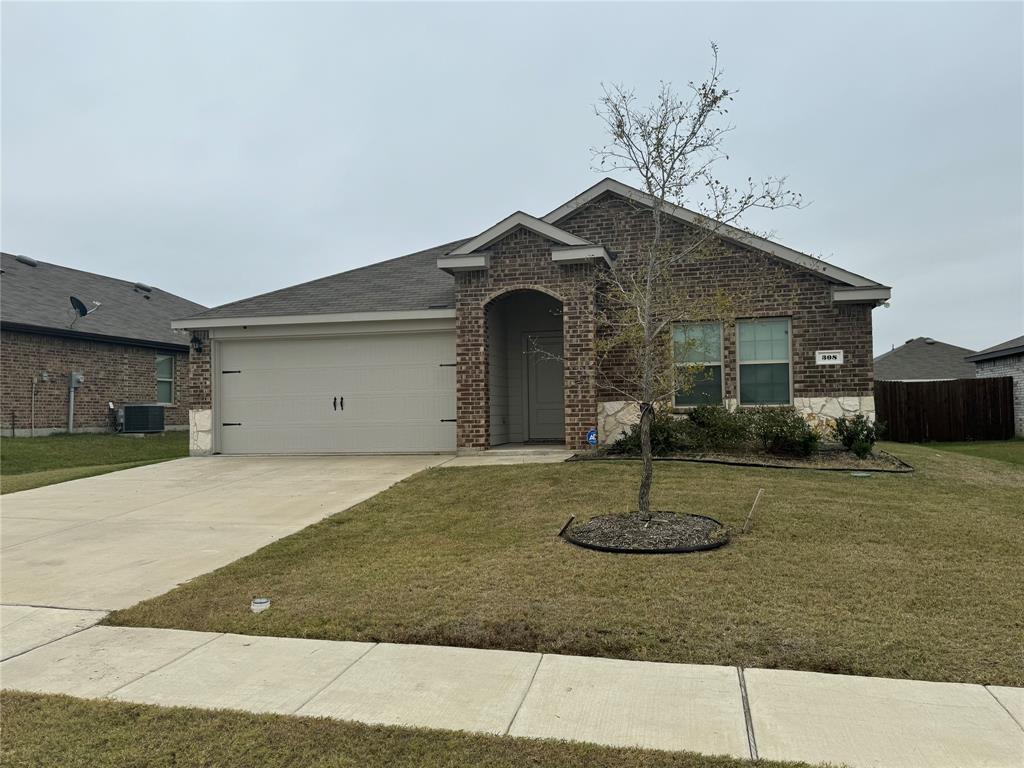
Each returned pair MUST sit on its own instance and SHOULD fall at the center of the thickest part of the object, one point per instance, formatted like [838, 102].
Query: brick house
[1006, 359]
[491, 340]
[125, 349]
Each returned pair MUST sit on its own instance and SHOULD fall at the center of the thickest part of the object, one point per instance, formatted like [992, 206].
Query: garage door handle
[335, 403]
[341, 403]
[231, 424]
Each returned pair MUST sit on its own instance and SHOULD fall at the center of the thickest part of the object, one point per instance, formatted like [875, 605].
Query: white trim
[730, 232]
[344, 317]
[877, 295]
[518, 219]
[580, 254]
[468, 263]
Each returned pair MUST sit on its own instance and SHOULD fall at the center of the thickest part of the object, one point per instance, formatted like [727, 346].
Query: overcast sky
[223, 150]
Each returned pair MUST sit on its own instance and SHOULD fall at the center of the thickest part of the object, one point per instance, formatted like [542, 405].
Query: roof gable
[509, 223]
[735, 234]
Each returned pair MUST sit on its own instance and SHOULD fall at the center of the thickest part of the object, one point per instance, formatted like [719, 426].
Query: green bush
[784, 431]
[857, 434]
[666, 436]
[712, 427]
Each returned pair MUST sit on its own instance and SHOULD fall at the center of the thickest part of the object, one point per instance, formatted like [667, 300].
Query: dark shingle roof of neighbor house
[36, 296]
[405, 283]
[924, 359]
[1006, 349]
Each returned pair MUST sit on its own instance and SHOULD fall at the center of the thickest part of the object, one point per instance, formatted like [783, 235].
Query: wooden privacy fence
[946, 411]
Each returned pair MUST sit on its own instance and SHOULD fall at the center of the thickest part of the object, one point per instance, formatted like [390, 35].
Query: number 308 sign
[828, 357]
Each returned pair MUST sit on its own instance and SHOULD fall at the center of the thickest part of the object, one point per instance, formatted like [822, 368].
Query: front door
[545, 401]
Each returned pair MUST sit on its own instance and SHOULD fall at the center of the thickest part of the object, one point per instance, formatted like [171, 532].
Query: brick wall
[522, 261]
[120, 373]
[200, 377]
[1012, 365]
[759, 286]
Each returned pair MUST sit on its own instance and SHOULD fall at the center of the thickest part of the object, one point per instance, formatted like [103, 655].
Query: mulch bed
[663, 533]
[829, 458]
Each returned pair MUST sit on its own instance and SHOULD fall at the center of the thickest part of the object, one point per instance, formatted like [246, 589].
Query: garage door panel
[398, 390]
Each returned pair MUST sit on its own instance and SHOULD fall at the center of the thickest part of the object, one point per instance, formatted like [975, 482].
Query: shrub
[666, 436]
[712, 427]
[783, 430]
[857, 434]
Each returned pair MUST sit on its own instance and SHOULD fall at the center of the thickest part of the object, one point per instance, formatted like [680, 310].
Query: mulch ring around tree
[664, 533]
[828, 458]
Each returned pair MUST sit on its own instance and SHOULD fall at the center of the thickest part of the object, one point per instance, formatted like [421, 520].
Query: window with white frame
[764, 361]
[165, 379]
[697, 353]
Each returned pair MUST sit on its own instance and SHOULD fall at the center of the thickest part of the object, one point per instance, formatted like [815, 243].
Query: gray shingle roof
[38, 296]
[405, 283]
[922, 359]
[1007, 348]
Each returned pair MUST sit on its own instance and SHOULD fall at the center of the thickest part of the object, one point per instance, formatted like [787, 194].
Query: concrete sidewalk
[772, 714]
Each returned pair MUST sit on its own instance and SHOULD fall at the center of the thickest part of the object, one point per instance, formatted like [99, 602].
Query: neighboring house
[1006, 359]
[924, 359]
[436, 351]
[125, 349]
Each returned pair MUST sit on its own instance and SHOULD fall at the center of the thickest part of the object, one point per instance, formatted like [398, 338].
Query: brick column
[471, 377]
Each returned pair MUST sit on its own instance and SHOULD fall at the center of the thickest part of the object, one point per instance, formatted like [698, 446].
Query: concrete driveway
[108, 542]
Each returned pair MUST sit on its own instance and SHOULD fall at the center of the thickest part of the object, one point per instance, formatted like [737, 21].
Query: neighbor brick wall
[522, 261]
[1013, 366]
[759, 285]
[121, 373]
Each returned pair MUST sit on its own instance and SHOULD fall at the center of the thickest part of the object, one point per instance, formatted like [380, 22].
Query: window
[165, 379]
[697, 349]
[764, 361]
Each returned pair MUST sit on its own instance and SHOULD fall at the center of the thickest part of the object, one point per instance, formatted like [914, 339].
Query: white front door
[545, 400]
[377, 393]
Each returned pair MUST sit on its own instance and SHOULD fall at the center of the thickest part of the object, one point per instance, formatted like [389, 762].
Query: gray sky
[224, 150]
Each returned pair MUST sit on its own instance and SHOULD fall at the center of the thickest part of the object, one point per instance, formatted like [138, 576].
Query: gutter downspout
[71, 407]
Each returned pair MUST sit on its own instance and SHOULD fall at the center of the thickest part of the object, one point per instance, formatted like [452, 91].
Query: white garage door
[382, 393]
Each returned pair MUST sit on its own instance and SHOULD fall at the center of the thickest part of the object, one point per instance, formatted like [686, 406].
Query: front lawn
[58, 730]
[30, 462]
[1002, 450]
[911, 576]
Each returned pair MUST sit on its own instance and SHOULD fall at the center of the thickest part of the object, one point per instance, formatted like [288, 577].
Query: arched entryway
[526, 388]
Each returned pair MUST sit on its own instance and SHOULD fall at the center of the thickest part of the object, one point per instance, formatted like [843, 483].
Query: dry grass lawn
[77, 733]
[910, 576]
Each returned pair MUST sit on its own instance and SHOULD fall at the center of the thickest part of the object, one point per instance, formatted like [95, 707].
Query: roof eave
[200, 323]
[69, 333]
[994, 354]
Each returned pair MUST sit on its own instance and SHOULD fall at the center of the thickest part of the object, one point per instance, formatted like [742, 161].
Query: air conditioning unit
[141, 418]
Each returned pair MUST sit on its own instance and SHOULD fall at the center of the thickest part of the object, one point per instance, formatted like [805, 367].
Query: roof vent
[929, 340]
[144, 287]
[26, 260]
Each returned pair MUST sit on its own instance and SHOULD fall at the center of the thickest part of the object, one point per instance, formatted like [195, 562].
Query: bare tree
[673, 146]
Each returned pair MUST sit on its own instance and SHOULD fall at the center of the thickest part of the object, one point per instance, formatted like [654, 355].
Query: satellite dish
[80, 309]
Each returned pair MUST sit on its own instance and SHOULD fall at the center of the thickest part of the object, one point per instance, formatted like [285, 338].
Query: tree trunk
[647, 473]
